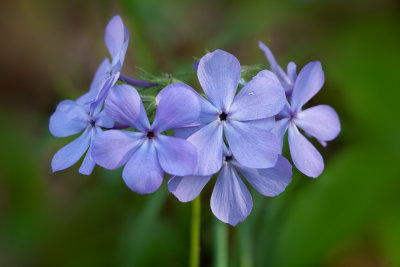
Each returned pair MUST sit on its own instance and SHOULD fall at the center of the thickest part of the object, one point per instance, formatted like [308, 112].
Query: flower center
[150, 135]
[223, 116]
[92, 122]
[228, 158]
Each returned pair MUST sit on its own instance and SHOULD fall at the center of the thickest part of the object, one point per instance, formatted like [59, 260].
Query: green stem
[221, 244]
[194, 260]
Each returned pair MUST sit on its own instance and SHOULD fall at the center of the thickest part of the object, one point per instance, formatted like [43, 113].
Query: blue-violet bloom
[246, 119]
[147, 153]
[321, 122]
[288, 78]
[116, 39]
[231, 201]
[71, 118]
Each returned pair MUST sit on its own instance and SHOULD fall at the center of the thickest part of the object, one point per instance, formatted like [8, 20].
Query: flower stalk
[194, 260]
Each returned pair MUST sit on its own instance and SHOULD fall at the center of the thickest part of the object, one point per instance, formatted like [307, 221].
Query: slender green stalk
[221, 244]
[194, 260]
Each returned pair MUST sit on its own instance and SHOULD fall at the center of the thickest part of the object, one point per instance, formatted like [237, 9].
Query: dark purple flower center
[228, 158]
[92, 122]
[150, 135]
[223, 116]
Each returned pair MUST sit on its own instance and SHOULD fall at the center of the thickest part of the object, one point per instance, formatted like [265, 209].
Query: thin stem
[136, 82]
[194, 260]
[221, 244]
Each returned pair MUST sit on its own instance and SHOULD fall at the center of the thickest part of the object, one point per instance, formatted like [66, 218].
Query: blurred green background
[349, 216]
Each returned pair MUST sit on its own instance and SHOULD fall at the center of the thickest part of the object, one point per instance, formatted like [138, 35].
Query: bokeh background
[349, 216]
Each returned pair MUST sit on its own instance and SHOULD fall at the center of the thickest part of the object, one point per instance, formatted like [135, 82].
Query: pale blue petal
[231, 202]
[68, 119]
[103, 120]
[271, 181]
[321, 122]
[208, 141]
[112, 149]
[187, 188]
[142, 173]
[219, 74]
[280, 129]
[175, 155]
[178, 107]
[114, 36]
[292, 72]
[71, 153]
[88, 163]
[185, 132]
[308, 83]
[123, 104]
[252, 146]
[260, 98]
[305, 157]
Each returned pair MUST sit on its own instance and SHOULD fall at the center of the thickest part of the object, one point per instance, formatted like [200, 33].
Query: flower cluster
[236, 130]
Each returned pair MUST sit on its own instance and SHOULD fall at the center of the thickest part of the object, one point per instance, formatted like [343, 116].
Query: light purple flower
[245, 119]
[147, 153]
[321, 122]
[231, 201]
[116, 39]
[72, 118]
[288, 78]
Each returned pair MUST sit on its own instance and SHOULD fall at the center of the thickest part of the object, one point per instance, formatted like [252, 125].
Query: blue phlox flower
[288, 78]
[116, 39]
[320, 122]
[71, 118]
[231, 201]
[147, 153]
[245, 118]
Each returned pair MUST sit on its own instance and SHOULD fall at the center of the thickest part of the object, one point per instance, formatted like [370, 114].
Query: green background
[349, 216]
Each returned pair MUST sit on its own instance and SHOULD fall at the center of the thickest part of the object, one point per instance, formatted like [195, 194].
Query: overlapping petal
[308, 83]
[175, 155]
[305, 156]
[114, 36]
[143, 173]
[252, 146]
[72, 152]
[271, 181]
[321, 121]
[219, 75]
[178, 107]
[112, 149]
[260, 98]
[187, 188]
[68, 119]
[103, 120]
[88, 163]
[231, 201]
[123, 104]
[208, 141]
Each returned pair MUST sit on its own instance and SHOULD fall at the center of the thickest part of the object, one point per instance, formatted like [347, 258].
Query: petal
[231, 202]
[112, 149]
[187, 188]
[219, 74]
[280, 129]
[123, 104]
[143, 173]
[271, 181]
[68, 119]
[178, 107]
[304, 155]
[118, 61]
[252, 146]
[71, 153]
[96, 105]
[208, 112]
[88, 163]
[308, 83]
[208, 141]
[185, 132]
[114, 36]
[282, 76]
[103, 120]
[321, 121]
[292, 72]
[260, 98]
[175, 155]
